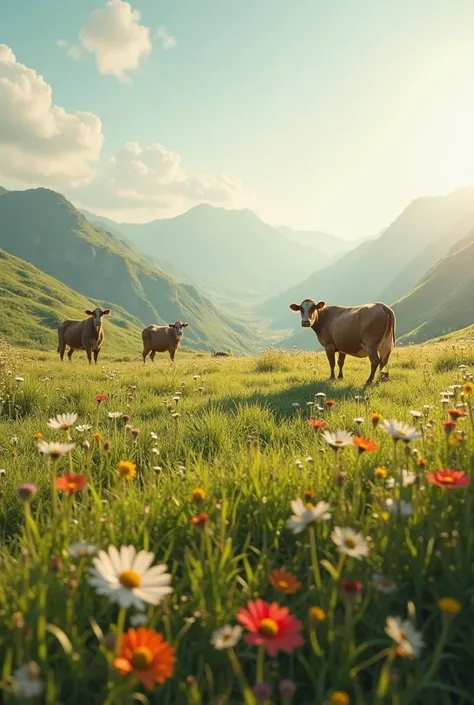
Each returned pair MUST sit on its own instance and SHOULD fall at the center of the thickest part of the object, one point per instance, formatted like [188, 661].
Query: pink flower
[272, 626]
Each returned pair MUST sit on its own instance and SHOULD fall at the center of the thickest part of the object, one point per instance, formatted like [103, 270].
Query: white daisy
[27, 682]
[54, 449]
[154, 436]
[63, 421]
[138, 620]
[359, 420]
[85, 427]
[125, 577]
[350, 542]
[340, 439]
[81, 550]
[416, 414]
[399, 507]
[383, 583]
[400, 431]
[19, 379]
[320, 395]
[306, 515]
[226, 637]
[409, 641]
[408, 479]
[114, 414]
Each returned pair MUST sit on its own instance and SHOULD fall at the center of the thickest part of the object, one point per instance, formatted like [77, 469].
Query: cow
[359, 331]
[221, 354]
[85, 335]
[162, 339]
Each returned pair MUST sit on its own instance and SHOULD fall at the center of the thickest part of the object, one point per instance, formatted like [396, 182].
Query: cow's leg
[374, 362]
[340, 362]
[61, 349]
[69, 354]
[88, 350]
[384, 358]
[152, 355]
[144, 354]
[96, 355]
[172, 354]
[331, 354]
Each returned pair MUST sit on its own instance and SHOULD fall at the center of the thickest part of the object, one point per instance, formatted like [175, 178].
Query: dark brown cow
[360, 331]
[85, 335]
[162, 339]
[222, 354]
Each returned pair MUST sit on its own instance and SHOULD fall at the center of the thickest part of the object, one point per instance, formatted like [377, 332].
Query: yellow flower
[376, 418]
[449, 605]
[317, 614]
[38, 436]
[380, 473]
[97, 437]
[126, 469]
[198, 495]
[339, 697]
[468, 388]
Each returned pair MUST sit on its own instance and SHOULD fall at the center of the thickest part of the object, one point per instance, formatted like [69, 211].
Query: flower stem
[260, 662]
[120, 625]
[314, 557]
[54, 490]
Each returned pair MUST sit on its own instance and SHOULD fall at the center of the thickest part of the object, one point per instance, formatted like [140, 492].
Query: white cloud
[167, 41]
[72, 50]
[116, 37]
[40, 142]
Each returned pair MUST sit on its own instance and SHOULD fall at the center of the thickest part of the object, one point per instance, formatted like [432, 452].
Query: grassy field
[236, 429]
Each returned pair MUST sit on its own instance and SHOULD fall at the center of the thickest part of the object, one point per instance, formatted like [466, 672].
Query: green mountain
[232, 255]
[325, 244]
[43, 228]
[34, 305]
[3, 190]
[442, 301]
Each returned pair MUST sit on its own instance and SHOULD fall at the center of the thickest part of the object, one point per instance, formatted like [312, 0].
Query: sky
[324, 115]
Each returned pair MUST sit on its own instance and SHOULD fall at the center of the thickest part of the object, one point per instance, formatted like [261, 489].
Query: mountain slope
[34, 304]
[379, 269]
[331, 245]
[3, 190]
[232, 254]
[442, 301]
[43, 228]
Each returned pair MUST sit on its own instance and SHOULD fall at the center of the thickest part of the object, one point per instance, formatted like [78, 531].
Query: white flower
[350, 542]
[114, 414]
[19, 379]
[63, 421]
[416, 414]
[54, 449]
[340, 439]
[295, 405]
[81, 550]
[226, 637]
[383, 583]
[408, 640]
[26, 681]
[196, 376]
[400, 430]
[399, 507]
[138, 620]
[408, 478]
[306, 515]
[321, 395]
[155, 451]
[154, 435]
[359, 420]
[85, 427]
[125, 577]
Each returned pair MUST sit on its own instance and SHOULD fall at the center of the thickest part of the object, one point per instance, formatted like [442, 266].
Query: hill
[382, 269]
[34, 305]
[43, 228]
[442, 301]
[3, 190]
[331, 245]
[232, 255]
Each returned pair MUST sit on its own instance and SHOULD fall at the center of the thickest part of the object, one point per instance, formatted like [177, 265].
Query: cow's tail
[391, 324]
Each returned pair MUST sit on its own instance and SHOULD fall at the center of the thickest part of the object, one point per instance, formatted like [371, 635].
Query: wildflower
[26, 492]
[54, 450]
[365, 445]
[350, 543]
[339, 697]
[135, 432]
[97, 437]
[382, 583]
[126, 469]
[314, 423]
[399, 507]
[138, 620]
[226, 637]
[306, 515]
[262, 692]
[330, 403]
[82, 550]
[38, 436]
[376, 419]
[27, 682]
[337, 440]
[320, 395]
[83, 428]
[449, 427]
[449, 479]
[19, 379]
[408, 640]
[408, 479]
[146, 654]
[287, 687]
[449, 605]
[271, 626]
[309, 496]
[359, 420]
[71, 483]
[284, 581]
[317, 614]
[400, 431]
[350, 587]
[456, 414]
[63, 421]
[85, 445]
[114, 414]
[468, 388]
[200, 521]
[125, 577]
[380, 473]
[198, 495]
[100, 398]
[416, 414]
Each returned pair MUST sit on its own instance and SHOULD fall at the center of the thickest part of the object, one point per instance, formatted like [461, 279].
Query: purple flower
[262, 692]
[26, 492]
[287, 687]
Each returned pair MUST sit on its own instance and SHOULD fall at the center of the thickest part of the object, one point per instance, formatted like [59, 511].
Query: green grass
[242, 436]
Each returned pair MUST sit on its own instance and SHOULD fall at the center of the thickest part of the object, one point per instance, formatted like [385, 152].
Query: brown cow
[222, 354]
[162, 339]
[85, 335]
[360, 331]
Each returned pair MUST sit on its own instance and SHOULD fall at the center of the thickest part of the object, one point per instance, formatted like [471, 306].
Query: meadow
[296, 567]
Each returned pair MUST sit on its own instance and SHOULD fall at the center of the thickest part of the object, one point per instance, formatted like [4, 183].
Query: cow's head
[97, 314]
[177, 327]
[309, 311]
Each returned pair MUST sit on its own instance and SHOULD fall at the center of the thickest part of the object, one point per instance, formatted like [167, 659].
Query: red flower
[317, 424]
[456, 414]
[100, 397]
[449, 479]
[71, 483]
[365, 445]
[330, 403]
[350, 587]
[271, 626]
[449, 426]
[200, 520]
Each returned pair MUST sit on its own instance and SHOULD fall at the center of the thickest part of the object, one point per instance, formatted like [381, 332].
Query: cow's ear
[320, 305]
[184, 325]
[89, 313]
[106, 312]
[295, 307]
[170, 325]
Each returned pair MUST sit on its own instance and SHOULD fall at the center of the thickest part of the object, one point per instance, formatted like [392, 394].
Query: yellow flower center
[309, 505]
[401, 433]
[268, 627]
[65, 426]
[350, 543]
[447, 480]
[130, 579]
[318, 614]
[71, 485]
[339, 698]
[283, 584]
[449, 605]
[142, 658]
[338, 443]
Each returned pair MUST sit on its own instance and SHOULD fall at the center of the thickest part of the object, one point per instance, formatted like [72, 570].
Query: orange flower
[100, 398]
[38, 436]
[330, 403]
[314, 423]
[284, 581]
[449, 426]
[309, 496]
[147, 655]
[71, 483]
[200, 521]
[365, 445]
[97, 437]
[449, 479]
[456, 414]
[376, 419]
